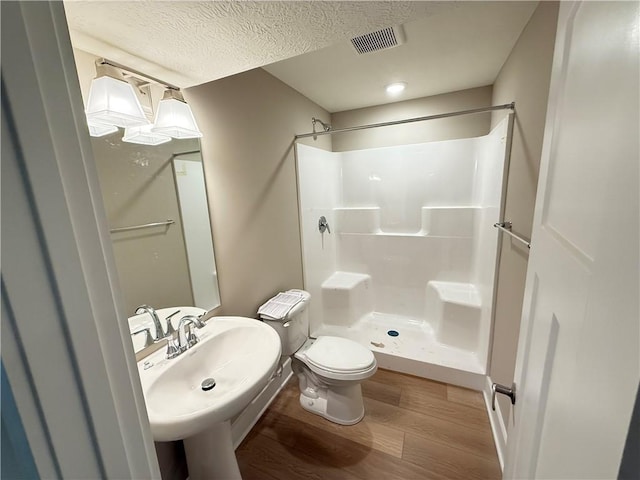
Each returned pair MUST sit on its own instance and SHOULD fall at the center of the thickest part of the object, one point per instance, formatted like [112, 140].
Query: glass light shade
[144, 136]
[98, 130]
[175, 119]
[113, 102]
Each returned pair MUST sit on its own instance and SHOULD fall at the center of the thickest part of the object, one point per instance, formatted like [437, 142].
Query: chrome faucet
[186, 337]
[195, 320]
[156, 321]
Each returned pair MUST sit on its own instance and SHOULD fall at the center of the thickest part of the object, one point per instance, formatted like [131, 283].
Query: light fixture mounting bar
[136, 73]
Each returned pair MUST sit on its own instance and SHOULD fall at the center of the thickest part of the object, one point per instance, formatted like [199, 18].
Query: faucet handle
[170, 329]
[148, 339]
[323, 225]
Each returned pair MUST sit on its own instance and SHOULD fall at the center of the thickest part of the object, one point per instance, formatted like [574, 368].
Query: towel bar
[506, 228]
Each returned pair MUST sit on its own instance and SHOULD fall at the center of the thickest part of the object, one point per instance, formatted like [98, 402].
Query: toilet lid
[339, 355]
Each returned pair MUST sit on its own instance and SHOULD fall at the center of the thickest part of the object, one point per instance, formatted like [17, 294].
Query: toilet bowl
[329, 369]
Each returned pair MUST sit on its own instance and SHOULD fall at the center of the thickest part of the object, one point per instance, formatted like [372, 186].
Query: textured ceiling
[454, 50]
[189, 43]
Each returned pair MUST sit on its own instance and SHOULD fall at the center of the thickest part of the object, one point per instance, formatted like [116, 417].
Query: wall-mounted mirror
[157, 208]
[156, 203]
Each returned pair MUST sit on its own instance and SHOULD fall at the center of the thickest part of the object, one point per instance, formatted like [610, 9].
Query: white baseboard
[498, 427]
[244, 422]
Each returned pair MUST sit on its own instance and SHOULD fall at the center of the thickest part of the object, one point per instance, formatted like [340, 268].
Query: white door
[578, 362]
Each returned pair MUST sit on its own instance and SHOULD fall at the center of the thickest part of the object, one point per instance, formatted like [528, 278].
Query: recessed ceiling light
[396, 88]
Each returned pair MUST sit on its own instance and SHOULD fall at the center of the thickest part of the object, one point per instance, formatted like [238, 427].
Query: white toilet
[330, 369]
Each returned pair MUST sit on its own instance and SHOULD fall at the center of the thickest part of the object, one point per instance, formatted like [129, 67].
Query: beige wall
[249, 121]
[524, 78]
[429, 131]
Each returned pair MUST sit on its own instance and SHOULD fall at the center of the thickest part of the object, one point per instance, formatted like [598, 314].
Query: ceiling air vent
[382, 39]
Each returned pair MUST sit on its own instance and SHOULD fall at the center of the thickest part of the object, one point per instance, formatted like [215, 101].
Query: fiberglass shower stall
[407, 265]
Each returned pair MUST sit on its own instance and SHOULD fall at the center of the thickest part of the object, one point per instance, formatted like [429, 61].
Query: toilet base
[341, 405]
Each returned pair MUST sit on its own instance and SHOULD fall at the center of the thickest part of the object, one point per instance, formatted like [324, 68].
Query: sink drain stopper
[207, 384]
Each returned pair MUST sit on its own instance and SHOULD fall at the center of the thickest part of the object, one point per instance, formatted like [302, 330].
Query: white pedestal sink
[240, 354]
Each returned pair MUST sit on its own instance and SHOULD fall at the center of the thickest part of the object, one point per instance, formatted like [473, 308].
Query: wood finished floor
[413, 429]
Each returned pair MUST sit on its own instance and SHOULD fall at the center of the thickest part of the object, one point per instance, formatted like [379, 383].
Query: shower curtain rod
[506, 106]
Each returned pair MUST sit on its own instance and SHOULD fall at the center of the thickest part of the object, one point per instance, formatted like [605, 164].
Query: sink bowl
[239, 353]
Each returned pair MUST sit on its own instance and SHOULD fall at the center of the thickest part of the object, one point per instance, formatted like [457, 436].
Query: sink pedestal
[183, 402]
[210, 454]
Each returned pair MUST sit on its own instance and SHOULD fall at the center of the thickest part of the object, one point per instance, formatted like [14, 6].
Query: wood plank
[442, 430]
[265, 458]
[317, 446]
[383, 393]
[446, 461]
[416, 399]
[396, 379]
[250, 468]
[391, 442]
[366, 433]
[465, 396]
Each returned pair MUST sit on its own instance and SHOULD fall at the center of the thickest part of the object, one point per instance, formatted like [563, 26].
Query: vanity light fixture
[144, 136]
[113, 103]
[396, 88]
[174, 117]
[98, 130]
[112, 100]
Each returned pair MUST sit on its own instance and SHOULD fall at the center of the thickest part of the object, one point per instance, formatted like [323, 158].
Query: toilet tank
[294, 328]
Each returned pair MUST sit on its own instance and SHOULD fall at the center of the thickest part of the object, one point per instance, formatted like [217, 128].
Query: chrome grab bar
[506, 228]
[144, 225]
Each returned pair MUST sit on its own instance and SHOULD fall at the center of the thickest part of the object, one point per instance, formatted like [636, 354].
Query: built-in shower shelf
[345, 281]
[440, 221]
[346, 295]
[454, 310]
[387, 234]
[465, 294]
[400, 235]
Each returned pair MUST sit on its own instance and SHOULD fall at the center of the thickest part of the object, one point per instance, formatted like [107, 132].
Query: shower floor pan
[415, 350]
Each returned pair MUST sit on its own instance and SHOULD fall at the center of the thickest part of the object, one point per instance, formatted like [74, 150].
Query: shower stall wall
[410, 249]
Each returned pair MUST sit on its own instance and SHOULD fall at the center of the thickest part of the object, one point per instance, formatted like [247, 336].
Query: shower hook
[325, 126]
[323, 225]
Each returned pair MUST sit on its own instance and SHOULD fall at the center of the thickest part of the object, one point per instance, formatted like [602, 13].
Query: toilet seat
[338, 358]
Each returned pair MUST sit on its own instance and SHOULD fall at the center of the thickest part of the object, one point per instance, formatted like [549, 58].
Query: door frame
[65, 341]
